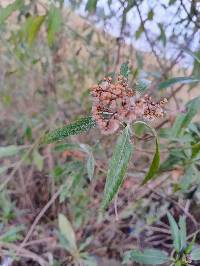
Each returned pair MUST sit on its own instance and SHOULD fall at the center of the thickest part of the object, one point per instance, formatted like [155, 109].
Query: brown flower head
[115, 103]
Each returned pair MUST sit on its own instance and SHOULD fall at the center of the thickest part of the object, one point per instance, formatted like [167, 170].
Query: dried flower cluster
[114, 103]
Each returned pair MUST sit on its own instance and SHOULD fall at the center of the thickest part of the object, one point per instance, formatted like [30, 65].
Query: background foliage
[51, 53]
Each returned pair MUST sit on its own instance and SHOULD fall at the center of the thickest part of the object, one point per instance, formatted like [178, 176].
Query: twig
[147, 36]
[189, 215]
[22, 252]
[39, 216]
[115, 206]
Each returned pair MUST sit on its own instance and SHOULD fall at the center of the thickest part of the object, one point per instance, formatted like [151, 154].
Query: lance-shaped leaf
[183, 120]
[153, 169]
[124, 70]
[147, 257]
[54, 23]
[154, 165]
[32, 28]
[142, 85]
[67, 231]
[175, 232]
[8, 10]
[78, 127]
[90, 166]
[10, 150]
[195, 254]
[91, 6]
[117, 167]
[195, 150]
[183, 232]
[178, 80]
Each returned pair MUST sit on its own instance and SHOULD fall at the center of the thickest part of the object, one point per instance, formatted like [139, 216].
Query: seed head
[116, 102]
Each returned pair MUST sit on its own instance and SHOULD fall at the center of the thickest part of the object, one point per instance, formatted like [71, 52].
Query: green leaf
[117, 167]
[67, 231]
[148, 256]
[139, 31]
[150, 15]
[162, 34]
[189, 247]
[139, 59]
[196, 66]
[32, 28]
[183, 232]
[178, 263]
[154, 165]
[90, 166]
[13, 234]
[195, 150]
[195, 55]
[171, 2]
[38, 160]
[183, 120]
[80, 126]
[153, 169]
[190, 177]
[180, 80]
[54, 24]
[195, 254]
[142, 85]
[9, 151]
[124, 70]
[91, 6]
[175, 157]
[175, 232]
[8, 10]
[3, 169]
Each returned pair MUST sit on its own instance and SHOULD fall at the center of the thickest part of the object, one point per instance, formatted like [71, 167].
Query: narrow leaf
[195, 254]
[90, 166]
[117, 167]
[124, 70]
[139, 31]
[171, 2]
[154, 165]
[38, 160]
[180, 80]
[150, 15]
[195, 150]
[195, 55]
[67, 231]
[8, 10]
[183, 232]
[183, 120]
[175, 232]
[9, 151]
[3, 169]
[153, 169]
[13, 234]
[32, 28]
[91, 6]
[78, 127]
[189, 247]
[149, 256]
[162, 34]
[142, 85]
[54, 24]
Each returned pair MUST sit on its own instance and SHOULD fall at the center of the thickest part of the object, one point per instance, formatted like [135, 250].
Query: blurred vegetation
[51, 53]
